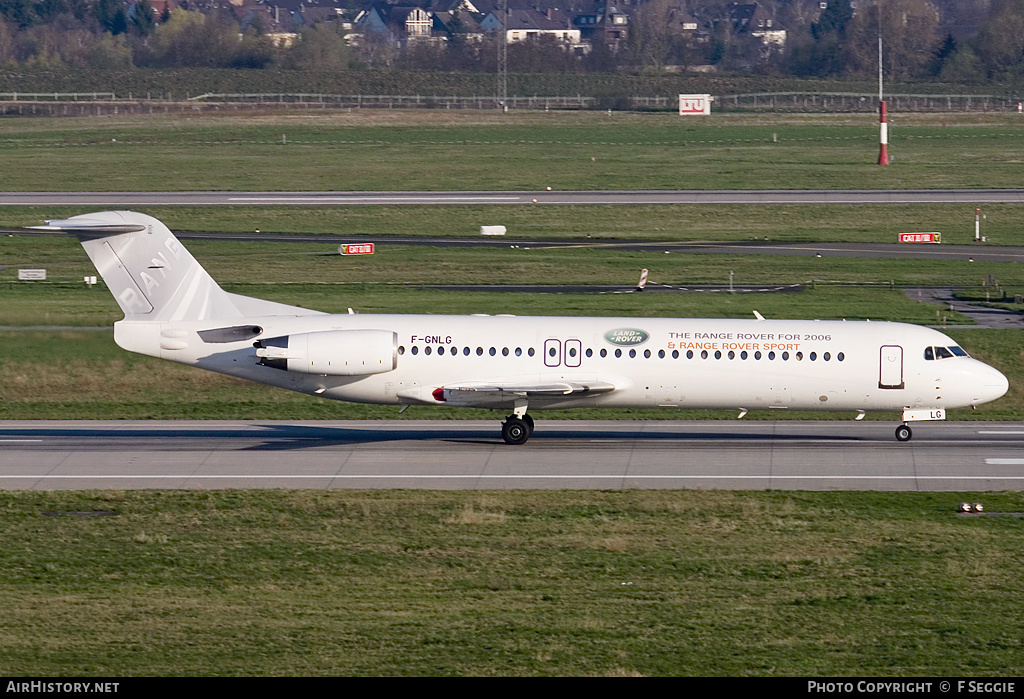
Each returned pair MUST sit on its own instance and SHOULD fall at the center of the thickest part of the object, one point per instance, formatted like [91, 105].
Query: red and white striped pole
[883, 153]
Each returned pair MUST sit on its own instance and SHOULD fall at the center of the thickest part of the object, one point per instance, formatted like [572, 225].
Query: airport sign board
[356, 249]
[920, 237]
[694, 104]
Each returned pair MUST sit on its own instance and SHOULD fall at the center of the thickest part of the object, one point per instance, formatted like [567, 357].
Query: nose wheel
[516, 430]
[903, 433]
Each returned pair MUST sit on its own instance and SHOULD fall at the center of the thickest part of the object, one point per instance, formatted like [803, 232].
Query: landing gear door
[890, 370]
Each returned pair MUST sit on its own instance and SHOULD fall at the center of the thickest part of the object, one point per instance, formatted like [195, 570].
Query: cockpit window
[931, 353]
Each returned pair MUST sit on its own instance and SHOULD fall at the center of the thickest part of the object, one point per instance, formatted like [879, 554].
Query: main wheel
[514, 430]
[903, 433]
[529, 422]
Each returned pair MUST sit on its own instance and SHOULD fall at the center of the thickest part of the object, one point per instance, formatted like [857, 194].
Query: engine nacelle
[331, 352]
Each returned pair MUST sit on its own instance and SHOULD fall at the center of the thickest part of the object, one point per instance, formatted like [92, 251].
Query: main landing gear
[903, 433]
[516, 429]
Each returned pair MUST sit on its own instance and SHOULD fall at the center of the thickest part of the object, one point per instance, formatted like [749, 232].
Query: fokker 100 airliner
[175, 310]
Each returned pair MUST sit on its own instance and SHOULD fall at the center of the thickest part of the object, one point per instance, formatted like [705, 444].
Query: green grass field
[527, 151]
[264, 266]
[276, 583]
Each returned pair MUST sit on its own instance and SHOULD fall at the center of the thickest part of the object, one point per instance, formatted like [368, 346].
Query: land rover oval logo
[626, 336]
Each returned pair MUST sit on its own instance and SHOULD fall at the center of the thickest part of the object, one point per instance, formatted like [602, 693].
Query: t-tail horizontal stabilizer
[151, 274]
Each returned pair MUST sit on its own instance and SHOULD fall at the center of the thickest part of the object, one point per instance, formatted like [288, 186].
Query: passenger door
[890, 367]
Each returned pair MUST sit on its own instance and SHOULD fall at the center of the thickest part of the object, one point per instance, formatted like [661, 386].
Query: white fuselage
[175, 310]
[650, 362]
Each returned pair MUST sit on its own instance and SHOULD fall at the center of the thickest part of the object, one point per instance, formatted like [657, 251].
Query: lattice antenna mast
[502, 56]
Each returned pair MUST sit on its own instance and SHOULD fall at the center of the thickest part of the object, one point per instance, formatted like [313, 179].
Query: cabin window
[519, 351]
[785, 356]
[757, 355]
[401, 349]
[426, 350]
[703, 354]
[799, 356]
[840, 356]
[689, 354]
[632, 354]
[604, 353]
[661, 354]
[826, 356]
[530, 352]
[479, 351]
[415, 349]
[440, 350]
[504, 351]
[675, 354]
[743, 354]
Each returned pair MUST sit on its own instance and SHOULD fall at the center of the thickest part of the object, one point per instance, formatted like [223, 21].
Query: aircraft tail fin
[149, 272]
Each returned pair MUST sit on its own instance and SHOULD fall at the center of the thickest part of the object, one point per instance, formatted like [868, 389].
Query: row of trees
[107, 35]
[842, 42]
[839, 42]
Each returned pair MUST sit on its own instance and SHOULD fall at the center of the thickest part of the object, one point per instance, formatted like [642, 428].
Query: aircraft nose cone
[1000, 386]
[993, 385]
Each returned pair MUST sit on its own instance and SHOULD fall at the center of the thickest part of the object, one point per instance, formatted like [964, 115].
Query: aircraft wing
[566, 388]
[486, 394]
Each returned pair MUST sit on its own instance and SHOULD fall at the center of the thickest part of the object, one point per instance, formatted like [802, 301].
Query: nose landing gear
[903, 433]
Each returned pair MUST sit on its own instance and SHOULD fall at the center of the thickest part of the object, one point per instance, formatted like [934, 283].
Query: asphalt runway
[768, 196]
[780, 455]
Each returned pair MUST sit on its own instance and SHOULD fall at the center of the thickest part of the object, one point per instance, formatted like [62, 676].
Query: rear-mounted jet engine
[331, 352]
